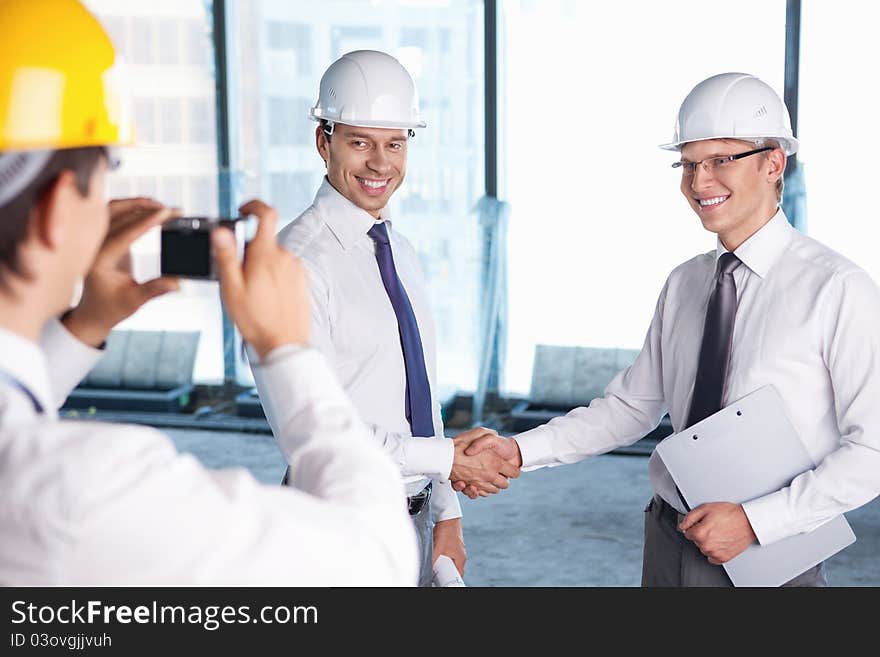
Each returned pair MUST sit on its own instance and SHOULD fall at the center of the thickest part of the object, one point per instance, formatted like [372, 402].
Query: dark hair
[15, 214]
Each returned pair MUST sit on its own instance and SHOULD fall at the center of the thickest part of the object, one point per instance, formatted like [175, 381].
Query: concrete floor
[575, 525]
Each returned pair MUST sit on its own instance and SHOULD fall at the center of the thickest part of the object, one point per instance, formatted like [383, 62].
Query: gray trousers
[670, 559]
[424, 527]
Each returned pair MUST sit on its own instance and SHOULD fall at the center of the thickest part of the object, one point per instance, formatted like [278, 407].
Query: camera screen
[186, 253]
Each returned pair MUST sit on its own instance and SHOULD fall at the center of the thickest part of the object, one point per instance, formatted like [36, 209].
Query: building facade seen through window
[168, 52]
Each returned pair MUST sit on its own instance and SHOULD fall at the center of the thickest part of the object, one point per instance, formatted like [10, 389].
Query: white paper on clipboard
[740, 453]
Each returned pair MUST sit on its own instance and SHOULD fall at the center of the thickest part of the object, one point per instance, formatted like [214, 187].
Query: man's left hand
[448, 540]
[720, 529]
[110, 294]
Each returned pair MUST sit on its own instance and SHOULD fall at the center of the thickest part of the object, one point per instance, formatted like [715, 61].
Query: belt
[418, 501]
[668, 512]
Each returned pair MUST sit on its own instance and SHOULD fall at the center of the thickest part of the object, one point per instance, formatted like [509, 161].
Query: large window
[597, 219]
[588, 91]
[167, 47]
[283, 49]
[838, 111]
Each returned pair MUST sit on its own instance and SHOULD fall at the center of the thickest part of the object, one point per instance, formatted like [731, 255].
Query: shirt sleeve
[161, 518]
[849, 476]
[632, 406]
[413, 455]
[69, 360]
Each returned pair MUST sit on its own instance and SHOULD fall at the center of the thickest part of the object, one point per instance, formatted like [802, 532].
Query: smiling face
[365, 165]
[735, 200]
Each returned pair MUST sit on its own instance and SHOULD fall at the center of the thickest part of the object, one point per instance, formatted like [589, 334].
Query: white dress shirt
[87, 503]
[807, 322]
[354, 326]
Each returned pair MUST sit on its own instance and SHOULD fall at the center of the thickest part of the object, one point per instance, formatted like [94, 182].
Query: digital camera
[185, 249]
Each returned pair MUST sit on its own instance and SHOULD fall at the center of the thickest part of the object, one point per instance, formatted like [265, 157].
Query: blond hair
[780, 183]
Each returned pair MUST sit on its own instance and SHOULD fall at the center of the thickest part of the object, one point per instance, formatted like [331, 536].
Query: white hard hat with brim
[733, 106]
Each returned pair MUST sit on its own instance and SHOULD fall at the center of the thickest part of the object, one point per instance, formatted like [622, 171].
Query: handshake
[484, 462]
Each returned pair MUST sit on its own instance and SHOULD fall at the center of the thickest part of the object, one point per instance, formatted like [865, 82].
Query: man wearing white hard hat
[93, 503]
[370, 311]
[767, 306]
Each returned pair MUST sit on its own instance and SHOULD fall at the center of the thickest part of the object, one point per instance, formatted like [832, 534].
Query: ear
[776, 160]
[322, 144]
[49, 214]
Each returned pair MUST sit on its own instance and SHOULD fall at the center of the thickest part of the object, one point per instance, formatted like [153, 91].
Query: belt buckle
[418, 501]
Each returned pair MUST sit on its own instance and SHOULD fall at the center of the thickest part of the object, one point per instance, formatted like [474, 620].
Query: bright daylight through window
[166, 46]
[597, 220]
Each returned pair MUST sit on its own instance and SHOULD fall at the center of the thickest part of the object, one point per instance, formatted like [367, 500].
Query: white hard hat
[368, 88]
[733, 106]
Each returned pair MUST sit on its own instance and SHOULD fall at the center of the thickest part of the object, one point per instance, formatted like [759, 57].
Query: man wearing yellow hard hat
[101, 504]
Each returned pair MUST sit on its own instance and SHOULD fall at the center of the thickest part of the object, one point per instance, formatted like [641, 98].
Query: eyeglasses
[713, 165]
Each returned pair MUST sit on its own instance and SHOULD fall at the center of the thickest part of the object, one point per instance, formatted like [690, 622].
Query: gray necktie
[717, 338]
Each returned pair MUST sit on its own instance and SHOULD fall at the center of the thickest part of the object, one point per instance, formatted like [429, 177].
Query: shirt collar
[25, 362]
[346, 221]
[761, 251]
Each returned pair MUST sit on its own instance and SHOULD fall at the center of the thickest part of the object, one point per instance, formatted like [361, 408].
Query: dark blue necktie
[38, 407]
[418, 391]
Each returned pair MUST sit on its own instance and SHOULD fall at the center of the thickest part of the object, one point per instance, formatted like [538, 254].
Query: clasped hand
[483, 463]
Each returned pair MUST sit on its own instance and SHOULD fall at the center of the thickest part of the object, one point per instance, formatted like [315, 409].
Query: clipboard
[744, 451]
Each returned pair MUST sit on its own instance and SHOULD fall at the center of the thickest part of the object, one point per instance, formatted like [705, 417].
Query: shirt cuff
[70, 359]
[431, 457]
[536, 448]
[769, 517]
[278, 353]
[444, 502]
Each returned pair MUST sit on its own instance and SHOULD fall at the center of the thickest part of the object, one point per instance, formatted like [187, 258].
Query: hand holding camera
[265, 294]
[110, 293]
[263, 287]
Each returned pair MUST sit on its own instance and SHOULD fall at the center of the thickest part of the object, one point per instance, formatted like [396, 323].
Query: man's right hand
[484, 471]
[266, 295]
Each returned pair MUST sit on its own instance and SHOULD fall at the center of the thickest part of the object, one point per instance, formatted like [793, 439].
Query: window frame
[222, 32]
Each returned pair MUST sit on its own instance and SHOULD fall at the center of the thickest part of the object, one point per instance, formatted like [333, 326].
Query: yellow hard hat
[60, 81]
